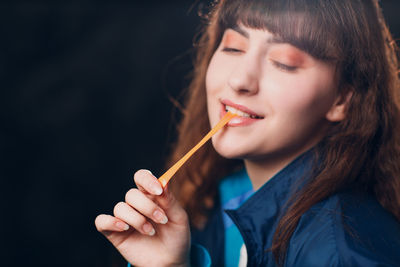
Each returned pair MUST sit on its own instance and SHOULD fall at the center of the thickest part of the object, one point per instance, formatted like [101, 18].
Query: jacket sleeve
[199, 257]
[351, 235]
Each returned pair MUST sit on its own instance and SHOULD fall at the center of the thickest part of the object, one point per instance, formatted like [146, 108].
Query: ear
[338, 110]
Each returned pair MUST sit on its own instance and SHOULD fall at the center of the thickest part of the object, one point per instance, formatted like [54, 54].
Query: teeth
[239, 112]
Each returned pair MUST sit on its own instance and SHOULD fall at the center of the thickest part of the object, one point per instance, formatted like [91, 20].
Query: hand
[150, 228]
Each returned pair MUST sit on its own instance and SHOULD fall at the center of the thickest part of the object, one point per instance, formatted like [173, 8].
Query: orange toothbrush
[164, 179]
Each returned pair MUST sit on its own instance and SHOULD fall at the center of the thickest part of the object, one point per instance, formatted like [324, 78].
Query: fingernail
[160, 217]
[148, 229]
[122, 226]
[149, 172]
[157, 190]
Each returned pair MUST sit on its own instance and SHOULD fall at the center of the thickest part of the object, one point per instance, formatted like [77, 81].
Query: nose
[244, 78]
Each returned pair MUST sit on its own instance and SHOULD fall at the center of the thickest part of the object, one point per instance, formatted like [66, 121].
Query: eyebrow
[271, 40]
[241, 31]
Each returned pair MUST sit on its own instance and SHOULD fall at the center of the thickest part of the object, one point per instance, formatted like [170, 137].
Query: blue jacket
[346, 229]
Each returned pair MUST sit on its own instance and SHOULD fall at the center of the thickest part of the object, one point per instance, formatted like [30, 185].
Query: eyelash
[284, 67]
[276, 63]
[231, 50]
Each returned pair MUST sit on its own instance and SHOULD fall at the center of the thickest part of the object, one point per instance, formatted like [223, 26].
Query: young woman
[308, 174]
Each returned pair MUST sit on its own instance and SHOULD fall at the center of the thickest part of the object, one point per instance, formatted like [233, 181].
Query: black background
[85, 88]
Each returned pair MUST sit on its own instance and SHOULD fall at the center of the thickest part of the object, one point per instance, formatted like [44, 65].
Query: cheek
[303, 97]
[210, 79]
[216, 78]
[216, 74]
[214, 85]
[304, 102]
[211, 84]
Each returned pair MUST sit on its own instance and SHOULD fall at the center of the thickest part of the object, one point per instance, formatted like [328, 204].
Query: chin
[227, 151]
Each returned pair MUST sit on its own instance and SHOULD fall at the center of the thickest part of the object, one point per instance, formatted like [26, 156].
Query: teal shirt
[234, 191]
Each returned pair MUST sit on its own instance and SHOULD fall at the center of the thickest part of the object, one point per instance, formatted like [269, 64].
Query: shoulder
[346, 229]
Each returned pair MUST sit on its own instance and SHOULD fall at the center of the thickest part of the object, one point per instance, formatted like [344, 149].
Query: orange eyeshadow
[234, 39]
[288, 55]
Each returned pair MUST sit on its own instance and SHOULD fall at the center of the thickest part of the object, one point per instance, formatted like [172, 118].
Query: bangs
[310, 26]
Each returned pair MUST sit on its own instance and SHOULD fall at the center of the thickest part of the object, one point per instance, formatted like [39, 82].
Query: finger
[140, 202]
[147, 182]
[129, 215]
[107, 223]
[171, 207]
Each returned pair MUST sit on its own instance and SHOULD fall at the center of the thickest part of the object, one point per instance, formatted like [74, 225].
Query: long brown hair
[362, 152]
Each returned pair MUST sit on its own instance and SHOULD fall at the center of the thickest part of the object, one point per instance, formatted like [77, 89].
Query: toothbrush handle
[164, 179]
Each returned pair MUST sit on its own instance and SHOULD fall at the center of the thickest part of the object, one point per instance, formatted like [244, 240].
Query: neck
[261, 171]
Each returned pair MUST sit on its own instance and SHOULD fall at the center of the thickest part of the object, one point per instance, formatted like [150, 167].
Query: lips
[240, 110]
[246, 115]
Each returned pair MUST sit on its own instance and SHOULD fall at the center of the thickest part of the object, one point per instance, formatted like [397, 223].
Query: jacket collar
[257, 218]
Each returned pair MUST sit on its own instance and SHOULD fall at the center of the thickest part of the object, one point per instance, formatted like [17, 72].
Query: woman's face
[282, 94]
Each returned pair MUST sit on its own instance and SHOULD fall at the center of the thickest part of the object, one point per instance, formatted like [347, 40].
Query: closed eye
[231, 50]
[284, 67]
